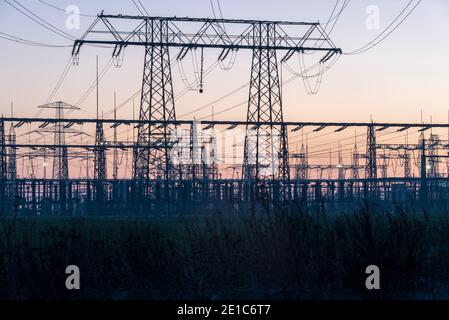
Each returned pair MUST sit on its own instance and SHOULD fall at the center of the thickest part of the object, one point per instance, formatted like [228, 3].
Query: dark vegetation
[278, 256]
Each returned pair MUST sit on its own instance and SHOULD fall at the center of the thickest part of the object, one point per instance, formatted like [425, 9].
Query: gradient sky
[392, 82]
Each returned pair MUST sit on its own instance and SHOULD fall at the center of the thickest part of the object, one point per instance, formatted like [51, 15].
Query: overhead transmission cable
[60, 80]
[326, 24]
[343, 7]
[39, 20]
[245, 101]
[143, 7]
[63, 10]
[386, 32]
[12, 38]
[92, 87]
[32, 16]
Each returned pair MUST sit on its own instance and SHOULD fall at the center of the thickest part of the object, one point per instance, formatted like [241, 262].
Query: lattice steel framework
[355, 162]
[3, 159]
[100, 166]
[434, 142]
[406, 163]
[3, 166]
[60, 162]
[12, 154]
[265, 145]
[60, 156]
[264, 105]
[157, 103]
[302, 165]
[371, 158]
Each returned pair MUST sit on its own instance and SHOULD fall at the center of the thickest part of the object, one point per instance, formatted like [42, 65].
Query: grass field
[300, 256]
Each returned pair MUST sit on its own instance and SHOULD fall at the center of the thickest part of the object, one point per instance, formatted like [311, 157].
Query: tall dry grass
[319, 255]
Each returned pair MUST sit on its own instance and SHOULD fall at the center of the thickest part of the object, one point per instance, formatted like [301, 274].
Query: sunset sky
[394, 81]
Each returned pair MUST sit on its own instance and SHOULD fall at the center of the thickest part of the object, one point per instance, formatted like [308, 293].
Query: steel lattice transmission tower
[302, 164]
[406, 163]
[434, 142]
[100, 167]
[157, 104]
[3, 154]
[3, 167]
[12, 154]
[355, 162]
[264, 143]
[60, 156]
[371, 158]
[158, 34]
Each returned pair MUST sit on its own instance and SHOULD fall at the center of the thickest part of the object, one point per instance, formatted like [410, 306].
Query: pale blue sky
[393, 81]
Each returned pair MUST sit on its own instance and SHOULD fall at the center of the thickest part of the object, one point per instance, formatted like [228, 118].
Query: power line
[213, 9]
[143, 7]
[217, 100]
[12, 38]
[91, 88]
[39, 20]
[219, 9]
[337, 16]
[138, 8]
[245, 101]
[62, 10]
[331, 17]
[61, 79]
[373, 42]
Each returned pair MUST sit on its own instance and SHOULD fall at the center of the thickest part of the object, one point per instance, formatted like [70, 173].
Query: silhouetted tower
[423, 169]
[422, 155]
[406, 160]
[3, 154]
[157, 104]
[266, 152]
[3, 173]
[195, 150]
[421, 142]
[384, 166]
[330, 167]
[12, 154]
[100, 167]
[406, 163]
[340, 165]
[301, 163]
[371, 158]
[60, 157]
[434, 142]
[355, 163]
[213, 155]
[115, 151]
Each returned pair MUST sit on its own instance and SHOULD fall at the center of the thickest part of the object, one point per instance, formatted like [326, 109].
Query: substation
[270, 176]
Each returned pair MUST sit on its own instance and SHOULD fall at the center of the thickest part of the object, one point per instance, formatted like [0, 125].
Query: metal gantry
[60, 164]
[202, 184]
